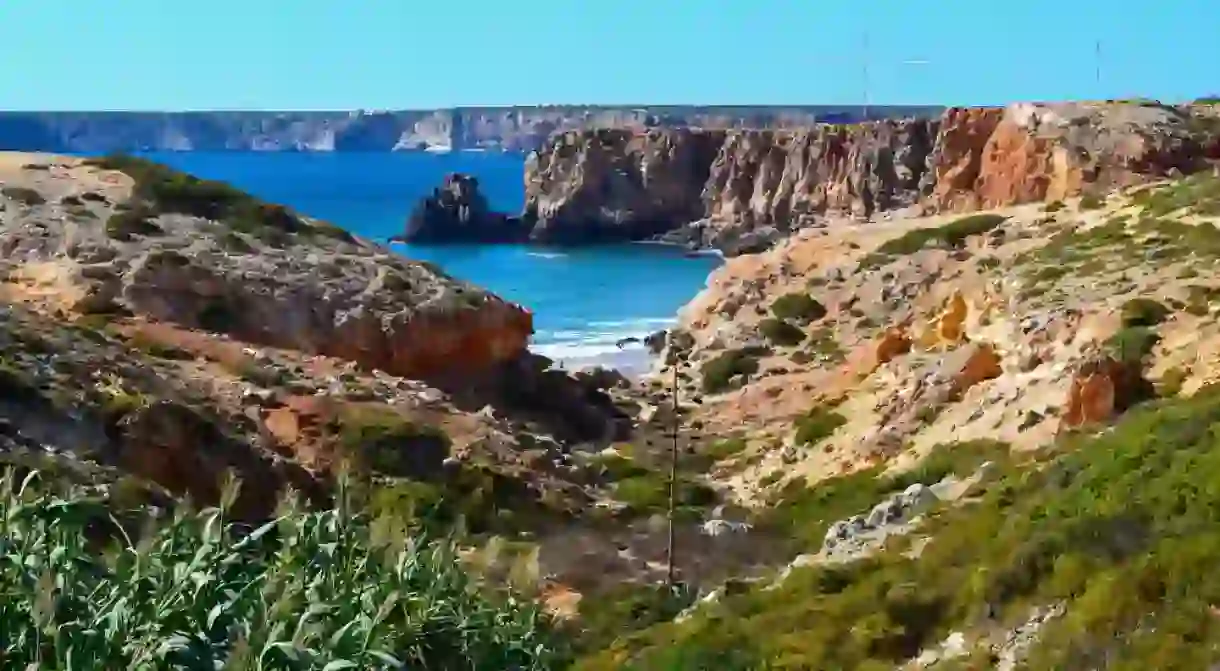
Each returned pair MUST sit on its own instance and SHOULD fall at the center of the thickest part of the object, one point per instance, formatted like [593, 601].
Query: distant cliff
[739, 190]
[489, 128]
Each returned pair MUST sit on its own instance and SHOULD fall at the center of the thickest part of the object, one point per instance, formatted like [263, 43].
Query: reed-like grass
[326, 590]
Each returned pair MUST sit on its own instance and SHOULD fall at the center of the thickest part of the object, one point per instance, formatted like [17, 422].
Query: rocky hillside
[492, 128]
[740, 190]
[170, 330]
[984, 441]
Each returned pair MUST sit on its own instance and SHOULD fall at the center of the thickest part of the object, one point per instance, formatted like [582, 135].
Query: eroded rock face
[1025, 153]
[740, 191]
[590, 186]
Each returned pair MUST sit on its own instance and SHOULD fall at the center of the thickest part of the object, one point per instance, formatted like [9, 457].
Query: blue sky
[373, 54]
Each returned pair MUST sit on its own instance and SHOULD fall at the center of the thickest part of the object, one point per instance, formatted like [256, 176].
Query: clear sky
[377, 54]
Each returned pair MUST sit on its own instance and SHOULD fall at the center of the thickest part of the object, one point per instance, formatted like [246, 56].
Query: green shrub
[1132, 345]
[1143, 312]
[780, 333]
[1091, 201]
[953, 234]
[23, 195]
[1053, 206]
[329, 589]
[160, 189]
[817, 425]
[384, 441]
[1121, 527]
[126, 224]
[797, 307]
[717, 372]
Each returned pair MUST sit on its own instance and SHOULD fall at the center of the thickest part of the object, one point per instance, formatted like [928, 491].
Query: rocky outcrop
[758, 186]
[271, 277]
[613, 185]
[486, 128]
[458, 212]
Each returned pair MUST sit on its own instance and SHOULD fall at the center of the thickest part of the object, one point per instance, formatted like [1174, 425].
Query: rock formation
[457, 212]
[741, 190]
[516, 129]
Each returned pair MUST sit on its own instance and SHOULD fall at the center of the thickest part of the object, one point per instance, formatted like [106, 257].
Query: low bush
[23, 195]
[1143, 312]
[163, 190]
[797, 307]
[1122, 528]
[780, 333]
[953, 234]
[717, 373]
[817, 425]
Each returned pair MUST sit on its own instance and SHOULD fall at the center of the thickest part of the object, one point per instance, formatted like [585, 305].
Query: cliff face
[761, 184]
[508, 128]
[617, 184]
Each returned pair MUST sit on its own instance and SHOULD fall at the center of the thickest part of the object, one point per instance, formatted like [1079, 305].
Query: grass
[332, 589]
[1123, 527]
[798, 307]
[163, 190]
[781, 333]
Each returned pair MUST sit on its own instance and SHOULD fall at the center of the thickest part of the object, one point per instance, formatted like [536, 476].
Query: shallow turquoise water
[583, 300]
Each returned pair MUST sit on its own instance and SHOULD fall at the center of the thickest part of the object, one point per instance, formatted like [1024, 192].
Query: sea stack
[457, 212]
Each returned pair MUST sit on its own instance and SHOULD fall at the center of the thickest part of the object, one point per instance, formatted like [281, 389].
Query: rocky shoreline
[741, 191]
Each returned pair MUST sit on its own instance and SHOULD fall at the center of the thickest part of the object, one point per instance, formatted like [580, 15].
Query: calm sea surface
[583, 300]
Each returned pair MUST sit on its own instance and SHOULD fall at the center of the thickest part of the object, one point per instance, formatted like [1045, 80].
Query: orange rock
[984, 363]
[893, 343]
[1101, 389]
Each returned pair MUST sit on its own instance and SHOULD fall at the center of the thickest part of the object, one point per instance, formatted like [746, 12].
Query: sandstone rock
[598, 185]
[746, 188]
[893, 343]
[1102, 387]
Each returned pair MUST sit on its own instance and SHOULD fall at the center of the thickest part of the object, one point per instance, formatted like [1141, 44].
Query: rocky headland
[516, 129]
[742, 190]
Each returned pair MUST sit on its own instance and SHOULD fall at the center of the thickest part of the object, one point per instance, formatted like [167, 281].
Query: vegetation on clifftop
[162, 190]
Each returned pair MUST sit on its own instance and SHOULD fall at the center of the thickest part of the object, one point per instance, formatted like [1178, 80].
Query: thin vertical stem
[673, 481]
[864, 64]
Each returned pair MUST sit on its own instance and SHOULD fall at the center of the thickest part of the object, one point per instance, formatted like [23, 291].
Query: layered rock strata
[740, 190]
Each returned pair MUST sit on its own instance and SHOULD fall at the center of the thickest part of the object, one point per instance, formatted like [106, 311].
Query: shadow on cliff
[571, 407]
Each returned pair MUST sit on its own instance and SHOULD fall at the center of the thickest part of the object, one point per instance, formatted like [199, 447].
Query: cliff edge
[740, 190]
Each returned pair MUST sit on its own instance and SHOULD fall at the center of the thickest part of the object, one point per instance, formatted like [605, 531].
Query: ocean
[584, 300]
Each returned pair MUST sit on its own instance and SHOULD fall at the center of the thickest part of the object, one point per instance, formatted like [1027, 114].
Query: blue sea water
[584, 300]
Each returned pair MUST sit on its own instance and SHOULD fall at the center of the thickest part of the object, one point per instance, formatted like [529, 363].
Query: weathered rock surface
[297, 284]
[754, 187]
[182, 332]
[599, 185]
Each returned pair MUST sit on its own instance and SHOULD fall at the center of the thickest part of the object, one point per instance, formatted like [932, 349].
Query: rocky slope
[172, 330]
[947, 418]
[490, 128]
[741, 190]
